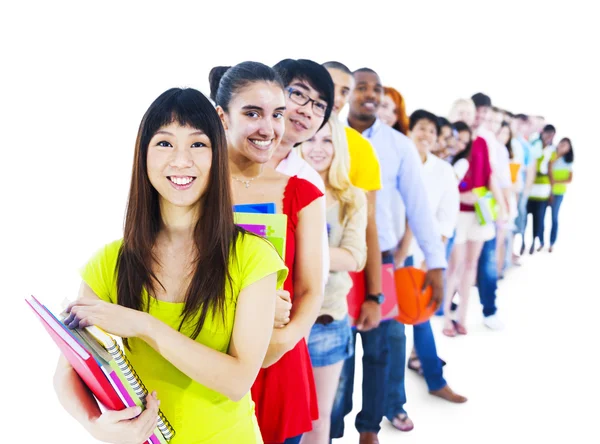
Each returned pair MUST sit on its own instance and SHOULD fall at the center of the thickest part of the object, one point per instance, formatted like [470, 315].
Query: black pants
[538, 209]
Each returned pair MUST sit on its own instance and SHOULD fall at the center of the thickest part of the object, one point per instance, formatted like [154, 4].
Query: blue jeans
[375, 358]
[555, 205]
[487, 277]
[427, 352]
[396, 369]
[521, 220]
[430, 363]
[294, 440]
[538, 209]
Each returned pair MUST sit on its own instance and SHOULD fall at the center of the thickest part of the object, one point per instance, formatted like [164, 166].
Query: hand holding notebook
[120, 321]
[127, 425]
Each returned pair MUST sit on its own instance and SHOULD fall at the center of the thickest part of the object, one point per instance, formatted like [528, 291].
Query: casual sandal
[414, 364]
[403, 423]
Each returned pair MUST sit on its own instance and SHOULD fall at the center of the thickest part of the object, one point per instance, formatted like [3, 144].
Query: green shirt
[197, 413]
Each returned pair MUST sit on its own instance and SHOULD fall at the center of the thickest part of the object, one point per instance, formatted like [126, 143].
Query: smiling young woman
[250, 101]
[191, 294]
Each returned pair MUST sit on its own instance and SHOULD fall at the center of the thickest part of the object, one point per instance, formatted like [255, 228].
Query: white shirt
[294, 165]
[443, 198]
[499, 157]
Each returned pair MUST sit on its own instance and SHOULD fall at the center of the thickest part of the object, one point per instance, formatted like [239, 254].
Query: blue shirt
[527, 151]
[403, 187]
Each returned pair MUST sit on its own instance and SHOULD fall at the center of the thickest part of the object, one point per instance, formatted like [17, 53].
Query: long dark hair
[226, 81]
[569, 156]
[511, 155]
[459, 127]
[215, 232]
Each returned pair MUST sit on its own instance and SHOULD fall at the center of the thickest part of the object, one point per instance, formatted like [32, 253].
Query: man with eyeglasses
[309, 101]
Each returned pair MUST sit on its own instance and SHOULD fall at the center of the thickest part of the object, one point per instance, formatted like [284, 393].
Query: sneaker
[493, 322]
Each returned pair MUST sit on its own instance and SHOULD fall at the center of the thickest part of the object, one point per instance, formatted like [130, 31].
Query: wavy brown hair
[402, 120]
[215, 232]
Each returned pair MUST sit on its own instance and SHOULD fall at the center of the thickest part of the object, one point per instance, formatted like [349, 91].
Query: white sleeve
[447, 212]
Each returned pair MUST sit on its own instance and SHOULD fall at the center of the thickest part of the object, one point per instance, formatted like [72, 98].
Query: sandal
[403, 423]
[460, 329]
[449, 331]
[414, 364]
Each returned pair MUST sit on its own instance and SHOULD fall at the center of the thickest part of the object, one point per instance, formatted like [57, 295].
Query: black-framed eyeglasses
[319, 107]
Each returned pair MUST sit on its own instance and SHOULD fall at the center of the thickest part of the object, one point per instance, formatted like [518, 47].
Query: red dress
[285, 393]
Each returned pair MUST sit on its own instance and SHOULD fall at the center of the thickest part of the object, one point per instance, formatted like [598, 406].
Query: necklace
[247, 182]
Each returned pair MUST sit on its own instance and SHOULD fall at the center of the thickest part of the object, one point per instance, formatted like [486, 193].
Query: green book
[273, 227]
[486, 207]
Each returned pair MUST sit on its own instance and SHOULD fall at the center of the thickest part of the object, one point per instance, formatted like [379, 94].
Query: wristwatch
[379, 298]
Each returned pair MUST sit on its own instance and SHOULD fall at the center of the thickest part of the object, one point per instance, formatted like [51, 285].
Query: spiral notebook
[103, 368]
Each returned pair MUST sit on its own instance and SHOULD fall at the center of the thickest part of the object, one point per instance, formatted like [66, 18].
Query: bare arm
[373, 268]
[499, 196]
[74, 395]
[530, 177]
[308, 288]
[231, 374]
[403, 246]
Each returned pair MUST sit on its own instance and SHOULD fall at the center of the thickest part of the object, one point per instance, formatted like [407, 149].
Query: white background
[77, 78]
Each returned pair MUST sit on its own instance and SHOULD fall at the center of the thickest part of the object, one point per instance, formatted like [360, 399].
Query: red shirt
[479, 172]
[285, 393]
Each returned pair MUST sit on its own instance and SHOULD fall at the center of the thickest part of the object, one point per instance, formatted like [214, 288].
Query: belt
[387, 253]
[324, 320]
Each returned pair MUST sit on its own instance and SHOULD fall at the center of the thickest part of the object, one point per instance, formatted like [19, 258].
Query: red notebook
[356, 296]
[83, 363]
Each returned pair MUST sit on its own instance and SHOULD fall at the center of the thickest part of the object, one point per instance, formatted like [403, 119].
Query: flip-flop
[411, 365]
[403, 423]
[450, 332]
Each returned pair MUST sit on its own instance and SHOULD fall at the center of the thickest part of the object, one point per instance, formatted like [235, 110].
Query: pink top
[479, 172]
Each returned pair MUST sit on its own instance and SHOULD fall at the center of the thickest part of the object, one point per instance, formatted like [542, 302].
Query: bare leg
[500, 250]
[472, 252]
[453, 278]
[326, 381]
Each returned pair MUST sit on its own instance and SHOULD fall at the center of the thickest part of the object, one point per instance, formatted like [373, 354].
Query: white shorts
[468, 229]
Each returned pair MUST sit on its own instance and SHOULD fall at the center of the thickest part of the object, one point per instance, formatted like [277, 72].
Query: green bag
[486, 207]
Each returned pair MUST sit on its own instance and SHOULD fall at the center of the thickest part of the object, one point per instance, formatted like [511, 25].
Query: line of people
[244, 346]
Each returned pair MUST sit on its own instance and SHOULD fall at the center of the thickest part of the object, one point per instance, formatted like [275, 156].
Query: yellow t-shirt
[365, 172]
[197, 413]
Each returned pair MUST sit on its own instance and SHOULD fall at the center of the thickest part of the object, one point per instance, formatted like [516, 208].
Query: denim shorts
[331, 343]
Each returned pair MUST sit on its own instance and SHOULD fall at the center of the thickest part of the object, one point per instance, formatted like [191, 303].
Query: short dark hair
[225, 81]
[480, 99]
[316, 75]
[443, 122]
[365, 69]
[337, 65]
[549, 129]
[421, 114]
[522, 117]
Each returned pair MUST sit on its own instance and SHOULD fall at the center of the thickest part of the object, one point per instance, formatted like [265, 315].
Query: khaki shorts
[468, 229]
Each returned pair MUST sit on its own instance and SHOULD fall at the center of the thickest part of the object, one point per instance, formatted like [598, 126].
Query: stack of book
[101, 364]
[262, 220]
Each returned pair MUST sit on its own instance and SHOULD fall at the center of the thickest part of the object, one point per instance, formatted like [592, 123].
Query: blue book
[263, 208]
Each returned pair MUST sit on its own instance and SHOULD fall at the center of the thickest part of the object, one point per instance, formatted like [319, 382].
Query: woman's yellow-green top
[197, 413]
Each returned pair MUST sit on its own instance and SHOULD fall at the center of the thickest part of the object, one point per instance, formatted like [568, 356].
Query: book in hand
[357, 294]
[101, 364]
